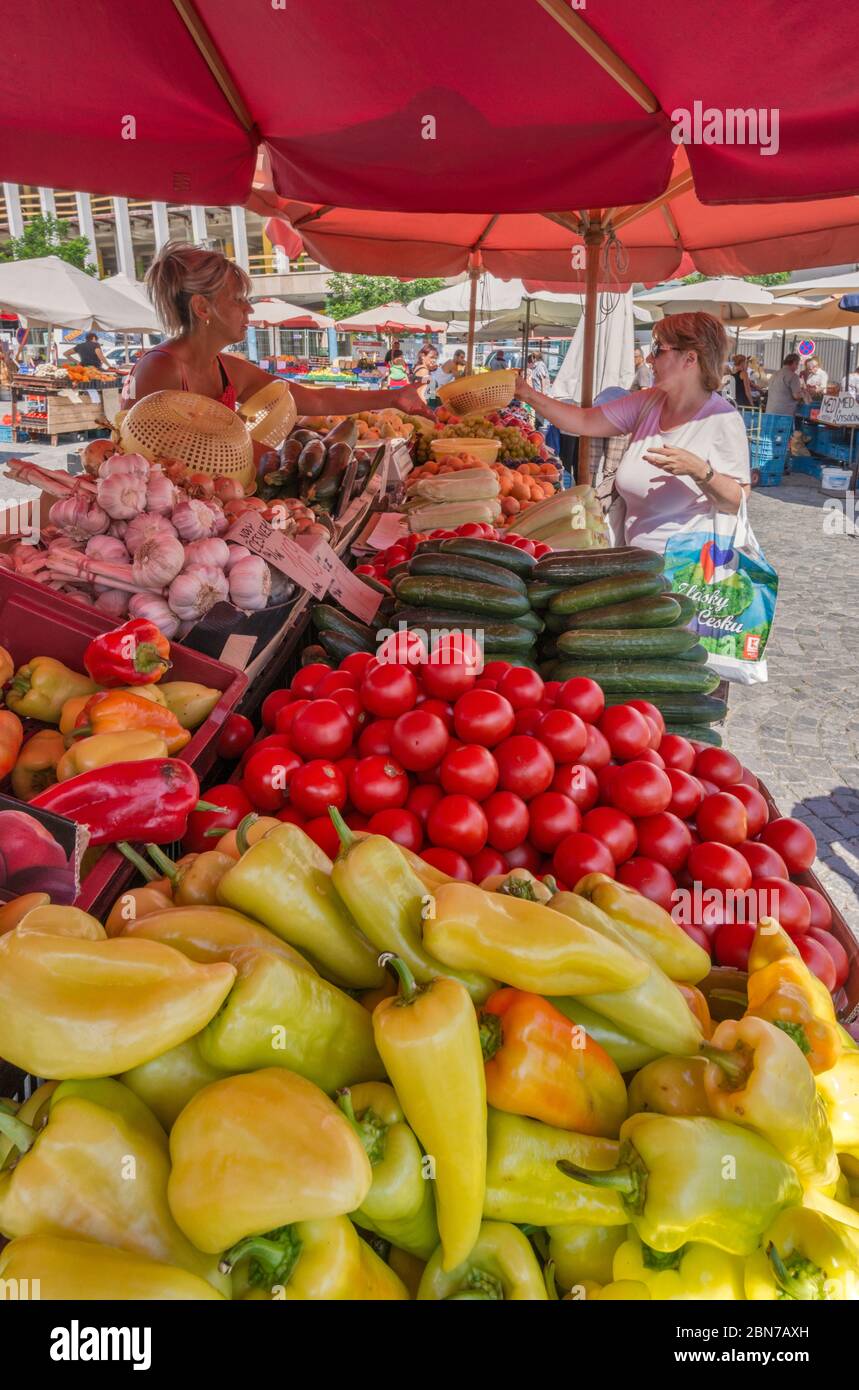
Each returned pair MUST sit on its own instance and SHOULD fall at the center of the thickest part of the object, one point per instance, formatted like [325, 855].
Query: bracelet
[709, 474]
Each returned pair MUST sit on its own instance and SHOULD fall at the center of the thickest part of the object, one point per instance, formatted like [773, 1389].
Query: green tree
[776, 277]
[354, 294]
[48, 236]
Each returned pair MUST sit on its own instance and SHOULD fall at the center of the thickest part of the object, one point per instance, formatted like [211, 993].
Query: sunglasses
[657, 348]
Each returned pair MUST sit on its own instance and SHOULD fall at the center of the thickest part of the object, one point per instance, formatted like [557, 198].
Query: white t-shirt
[658, 504]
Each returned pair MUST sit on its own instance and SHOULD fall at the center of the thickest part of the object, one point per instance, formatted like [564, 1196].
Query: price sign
[848, 409]
[300, 565]
[389, 529]
[347, 588]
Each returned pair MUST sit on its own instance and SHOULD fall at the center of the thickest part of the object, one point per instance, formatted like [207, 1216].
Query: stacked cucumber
[609, 615]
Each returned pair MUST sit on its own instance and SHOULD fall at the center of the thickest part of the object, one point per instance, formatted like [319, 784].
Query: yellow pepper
[208, 933]
[191, 703]
[649, 926]
[195, 878]
[100, 750]
[147, 692]
[501, 1266]
[581, 1252]
[137, 903]
[782, 989]
[168, 1082]
[408, 1268]
[695, 1271]
[257, 1152]
[62, 921]
[7, 666]
[36, 767]
[313, 1261]
[804, 1256]
[838, 1088]
[246, 833]
[39, 689]
[69, 715]
[670, 1086]
[77, 1270]
[12, 912]
[11, 738]
[621, 1291]
[119, 712]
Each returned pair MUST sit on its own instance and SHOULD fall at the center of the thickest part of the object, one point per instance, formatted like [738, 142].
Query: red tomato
[839, 956]
[665, 838]
[447, 861]
[419, 740]
[528, 721]
[732, 943]
[235, 807]
[357, 663]
[378, 784]
[347, 764]
[285, 715]
[626, 730]
[650, 879]
[365, 569]
[605, 781]
[718, 866]
[521, 686]
[722, 818]
[449, 673]
[484, 683]
[719, 766]
[335, 680]
[525, 766]
[552, 816]
[442, 708]
[686, 792]
[583, 696]
[793, 841]
[821, 912]
[577, 782]
[525, 856]
[316, 786]
[650, 755]
[458, 822]
[267, 776]
[485, 863]
[305, 681]
[421, 801]
[237, 735]
[403, 648]
[483, 716]
[389, 691]
[350, 701]
[541, 549]
[496, 670]
[401, 825]
[697, 934]
[677, 751]
[757, 813]
[750, 780]
[819, 960]
[376, 738]
[579, 854]
[471, 528]
[785, 901]
[291, 817]
[652, 713]
[470, 770]
[597, 754]
[763, 861]
[508, 820]
[564, 734]
[710, 788]
[550, 692]
[277, 700]
[614, 828]
[322, 729]
[269, 741]
[640, 789]
[321, 830]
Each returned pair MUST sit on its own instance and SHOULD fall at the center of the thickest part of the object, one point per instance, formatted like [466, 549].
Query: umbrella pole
[848, 348]
[593, 242]
[526, 334]
[474, 276]
[783, 331]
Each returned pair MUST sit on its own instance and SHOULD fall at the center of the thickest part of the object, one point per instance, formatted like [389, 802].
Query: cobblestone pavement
[800, 732]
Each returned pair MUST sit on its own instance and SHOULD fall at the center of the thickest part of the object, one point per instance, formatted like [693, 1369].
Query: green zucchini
[495, 552]
[686, 709]
[539, 594]
[626, 643]
[657, 610]
[701, 732]
[339, 645]
[583, 566]
[623, 677]
[688, 609]
[532, 621]
[465, 567]
[698, 653]
[374, 583]
[497, 636]
[484, 600]
[327, 618]
[599, 592]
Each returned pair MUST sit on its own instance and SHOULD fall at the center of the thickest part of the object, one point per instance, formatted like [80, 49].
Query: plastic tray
[35, 621]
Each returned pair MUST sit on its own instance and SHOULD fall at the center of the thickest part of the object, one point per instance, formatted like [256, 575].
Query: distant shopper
[643, 378]
[496, 361]
[88, 353]
[447, 372]
[742, 382]
[422, 376]
[398, 373]
[816, 379]
[851, 383]
[785, 389]
[538, 376]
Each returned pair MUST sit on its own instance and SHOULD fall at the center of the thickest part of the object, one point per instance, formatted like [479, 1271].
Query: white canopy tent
[613, 354]
[732, 300]
[48, 292]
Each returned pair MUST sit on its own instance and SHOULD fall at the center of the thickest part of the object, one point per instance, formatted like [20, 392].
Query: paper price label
[302, 566]
[389, 529]
[347, 588]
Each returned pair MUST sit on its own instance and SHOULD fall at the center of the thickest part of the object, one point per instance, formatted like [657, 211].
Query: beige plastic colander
[270, 414]
[472, 395]
[203, 434]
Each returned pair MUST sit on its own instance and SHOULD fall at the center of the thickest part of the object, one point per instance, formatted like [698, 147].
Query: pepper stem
[803, 1281]
[22, 1135]
[407, 982]
[272, 1257]
[347, 839]
[147, 657]
[208, 806]
[479, 1287]
[551, 883]
[369, 1129]
[145, 870]
[163, 862]
[244, 825]
[549, 1279]
[621, 1179]
[491, 1035]
[734, 1068]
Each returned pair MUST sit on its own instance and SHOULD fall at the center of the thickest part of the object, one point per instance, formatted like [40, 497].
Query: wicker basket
[270, 414]
[203, 434]
[472, 395]
[486, 450]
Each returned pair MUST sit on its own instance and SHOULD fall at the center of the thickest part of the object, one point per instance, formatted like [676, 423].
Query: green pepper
[693, 1178]
[501, 1267]
[388, 900]
[400, 1205]
[626, 1052]
[191, 703]
[40, 689]
[522, 1182]
[284, 881]
[279, 1014]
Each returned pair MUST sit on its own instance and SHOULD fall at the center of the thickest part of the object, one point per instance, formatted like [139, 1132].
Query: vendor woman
[201, 297]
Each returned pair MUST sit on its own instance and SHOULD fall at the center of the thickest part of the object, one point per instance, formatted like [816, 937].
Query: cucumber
[686, 709]
[701, 732]
[339, 645]
[698, 653]
[374, 583]
[484, 600]
[495, 552]
[314, 653]
[688, 609]
[532, 621]
[539, 594]
[599, 592]
[516, 659]
[496, 636]
[465, 567]
[327, 618]
[583, 566]
[658, 610]
[625, 677]
[626, 643]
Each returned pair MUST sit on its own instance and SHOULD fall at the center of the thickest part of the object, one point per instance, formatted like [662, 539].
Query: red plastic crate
[35, 621]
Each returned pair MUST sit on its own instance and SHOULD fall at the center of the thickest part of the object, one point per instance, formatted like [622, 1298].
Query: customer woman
[688, 454]
[202, 299]
[422, 375]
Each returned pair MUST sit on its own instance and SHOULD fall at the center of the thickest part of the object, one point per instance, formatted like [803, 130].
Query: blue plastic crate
[770, 471]
[5, 434]
[811, 467]
[773, 426]
[833, 449]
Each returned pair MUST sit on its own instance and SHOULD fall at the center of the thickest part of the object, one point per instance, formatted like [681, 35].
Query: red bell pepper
[135, 654]
[149, 800]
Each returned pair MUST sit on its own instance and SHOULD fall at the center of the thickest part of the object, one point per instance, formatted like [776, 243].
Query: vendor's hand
[409, 400]
[522, 389]
[680, 463]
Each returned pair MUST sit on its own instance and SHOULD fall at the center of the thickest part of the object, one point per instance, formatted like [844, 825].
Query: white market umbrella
[824, 285]
[728, 298]
[278, 313]
[388, 318]
[493, 297]
[613, 354]
[135, 291]
[50, 292]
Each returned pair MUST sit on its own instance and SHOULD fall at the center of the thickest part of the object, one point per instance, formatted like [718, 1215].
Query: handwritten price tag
[347, 588]
[302, 566]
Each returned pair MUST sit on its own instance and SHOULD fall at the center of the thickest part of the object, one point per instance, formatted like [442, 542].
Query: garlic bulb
[250, 584]
[107, 548]
[118, 529]
[157, 562]
[155, 608]
[193, 520]
[221, 520]
[114, 602]
[79, 517]
[131, 465]
[160, 493]
[143, 527]
[122, 495]
[208, 552]
[237, 552]
[193, 593]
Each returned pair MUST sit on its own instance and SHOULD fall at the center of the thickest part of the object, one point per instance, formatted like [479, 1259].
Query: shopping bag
[718, 563]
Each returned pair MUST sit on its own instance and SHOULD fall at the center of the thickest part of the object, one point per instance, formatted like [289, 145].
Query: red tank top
[227, 396]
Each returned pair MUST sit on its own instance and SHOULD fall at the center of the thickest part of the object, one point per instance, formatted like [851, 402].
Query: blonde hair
[182, 271]
[700, 333]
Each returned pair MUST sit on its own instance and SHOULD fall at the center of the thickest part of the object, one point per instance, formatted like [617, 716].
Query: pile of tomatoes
[397, 554]
[481, 771]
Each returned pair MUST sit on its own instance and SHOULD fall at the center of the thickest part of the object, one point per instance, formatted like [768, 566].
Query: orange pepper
[699, 1007]
[541, 1064]
[120, 711]
[11, 738]
[782, 990]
